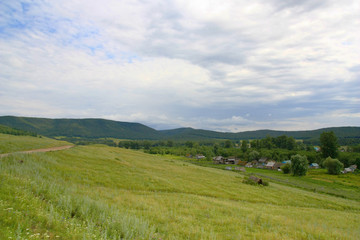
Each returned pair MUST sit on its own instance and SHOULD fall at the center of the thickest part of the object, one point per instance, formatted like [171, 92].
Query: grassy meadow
[316, 180]
[11, 143]
[100, 192]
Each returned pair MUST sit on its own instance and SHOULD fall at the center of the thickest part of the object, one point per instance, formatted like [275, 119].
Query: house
[277, 166]
[219, 160]
[230, 160]
[200, 156]
[314, 166]
[347, 170]
[270, 165]
[317, 149]
[353, 167]
[228, 168]
[249, 165]
[241, 163]
[262, 161]
[286, 161]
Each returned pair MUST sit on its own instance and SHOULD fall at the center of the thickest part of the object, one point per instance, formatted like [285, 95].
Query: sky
[227, 66]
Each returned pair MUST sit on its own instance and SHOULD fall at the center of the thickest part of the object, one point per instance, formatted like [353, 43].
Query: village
[262, 163]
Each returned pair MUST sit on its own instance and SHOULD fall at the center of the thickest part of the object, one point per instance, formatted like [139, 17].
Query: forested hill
[100, 128]
[88, 128]
[346, 135]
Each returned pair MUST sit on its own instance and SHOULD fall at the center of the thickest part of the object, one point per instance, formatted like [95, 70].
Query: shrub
[299, 165]
[252, 180]
[333, 165]
[286, 168]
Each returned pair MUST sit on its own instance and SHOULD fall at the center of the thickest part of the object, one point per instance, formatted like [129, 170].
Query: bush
[252, 180]
[333, 165]
[286, 168]
[299, 165]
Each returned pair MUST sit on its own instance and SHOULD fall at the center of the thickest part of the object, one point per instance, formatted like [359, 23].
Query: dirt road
[40, 150]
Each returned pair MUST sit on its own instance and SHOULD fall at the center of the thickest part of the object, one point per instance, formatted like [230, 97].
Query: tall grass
[53, 208]
[98, 192]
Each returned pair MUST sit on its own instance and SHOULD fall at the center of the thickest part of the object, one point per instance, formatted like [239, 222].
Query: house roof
[278, 164]
[353, 167]
[262, 160]
[270, 164]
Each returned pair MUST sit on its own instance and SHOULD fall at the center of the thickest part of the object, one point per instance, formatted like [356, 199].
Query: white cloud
[202, 64]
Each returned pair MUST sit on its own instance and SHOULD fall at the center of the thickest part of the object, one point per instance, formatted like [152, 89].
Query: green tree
[189, 144]
[254, 155]
[228, 144]
[169, 143]
[299, 165]
[286, 168]
[333, 165]
[244, 145]
[290, 143]
[329, 144]
[216, 149]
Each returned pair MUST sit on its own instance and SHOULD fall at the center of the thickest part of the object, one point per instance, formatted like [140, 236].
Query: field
[100, 192]
[11, 143]
[316, 180]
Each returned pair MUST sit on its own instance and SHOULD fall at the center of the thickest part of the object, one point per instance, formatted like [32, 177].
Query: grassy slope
[97, 191]
[11, 143]
[346, 186]
[317, 180]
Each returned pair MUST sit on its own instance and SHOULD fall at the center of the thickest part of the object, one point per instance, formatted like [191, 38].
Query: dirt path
[40, 150]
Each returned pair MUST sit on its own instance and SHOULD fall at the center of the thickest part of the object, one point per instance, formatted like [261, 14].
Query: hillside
[11, 143]
[98, 192]
[346, 135]
[101, 128]
[89, 128]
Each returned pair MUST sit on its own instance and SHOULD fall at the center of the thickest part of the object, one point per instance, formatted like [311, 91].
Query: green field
[11, 143]
[99, 192]
[316, 180]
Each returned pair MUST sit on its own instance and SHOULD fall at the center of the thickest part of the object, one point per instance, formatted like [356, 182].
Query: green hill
[98, 192]
[101, 128]
[88, 128]
[346, 135]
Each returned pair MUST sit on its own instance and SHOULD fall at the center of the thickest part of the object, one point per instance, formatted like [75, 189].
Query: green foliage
[228, 144]
[333, 165]
[85, 128]
[329, 144]
[189, 144]
[16, 132]
[286, 168]
[244, 145]
[299, 165]
[356, 148]
[254, 155]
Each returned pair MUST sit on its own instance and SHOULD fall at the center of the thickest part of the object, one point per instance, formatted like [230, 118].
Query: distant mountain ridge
[101, 128]
[88, 128]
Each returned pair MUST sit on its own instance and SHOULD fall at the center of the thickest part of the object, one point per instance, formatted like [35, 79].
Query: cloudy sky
[217, 65]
